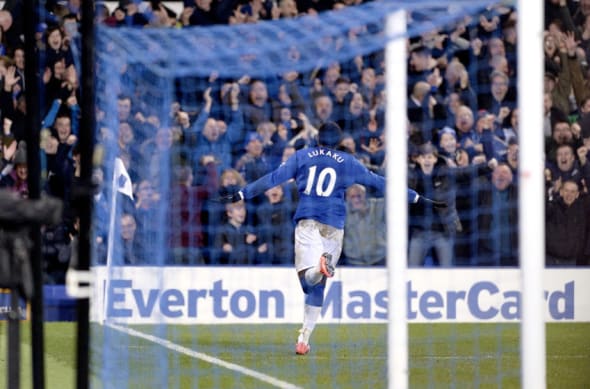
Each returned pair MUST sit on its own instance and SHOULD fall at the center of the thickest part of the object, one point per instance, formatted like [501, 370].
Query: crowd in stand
[462, 129]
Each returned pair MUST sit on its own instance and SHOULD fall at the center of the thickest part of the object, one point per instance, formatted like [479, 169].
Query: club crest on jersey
[326, 153]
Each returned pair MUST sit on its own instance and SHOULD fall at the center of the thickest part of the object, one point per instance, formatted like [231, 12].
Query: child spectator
[236, 244]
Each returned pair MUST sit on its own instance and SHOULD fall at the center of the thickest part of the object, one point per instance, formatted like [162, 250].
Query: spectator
[348, 144]
[186, 226]
[558, 10]
[365, 240]
[3, 44]
[11, 24]
[214, 213]
[18, 56]
[467, 136]
[236, 243]
[510, 129]
[583, 110]
[456, 80]
[551, 114]
[490, 134]
[288, 8]
[199, 14]
[129, 150]
[431, 227]
[497, 220]
[421, 65]
[328, 81]
[133, 253]
[209, 141]
[341, 99]
[484, 50]
[511, 158]
[125, 113]
[368, 85]
[156, 152]
[253, 164]
[56, 50]
[14, 175]
[374, 149]
[448, 146]
[322, 110]
[468, 177]
[280, 139]
[452, 102]
[147, 219]
[356, 117]
[58, 151]
[207, 136]
[13, 103]
[266, 130]
[567, 226]
[563, 72]
[258, 108]
[418, 111]
[275, 228]
[581, 12]
[289, 97]
[565, 167]
[133, 17]
[421, 110]
[498, 98]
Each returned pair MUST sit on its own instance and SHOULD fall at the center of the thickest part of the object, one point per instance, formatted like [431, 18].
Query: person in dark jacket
[432, 227]
[566, 226]
[497, 220]
[435, 227]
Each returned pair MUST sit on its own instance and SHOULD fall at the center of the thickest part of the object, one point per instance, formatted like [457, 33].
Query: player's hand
[227, 196]
[424, 201]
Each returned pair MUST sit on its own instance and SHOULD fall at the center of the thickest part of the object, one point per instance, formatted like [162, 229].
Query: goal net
[193, 293]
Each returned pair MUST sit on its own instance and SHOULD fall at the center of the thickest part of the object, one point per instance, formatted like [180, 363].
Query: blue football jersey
[322, 176]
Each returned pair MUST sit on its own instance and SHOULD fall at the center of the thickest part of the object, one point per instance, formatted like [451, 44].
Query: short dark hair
[329, 134]
[427, 148]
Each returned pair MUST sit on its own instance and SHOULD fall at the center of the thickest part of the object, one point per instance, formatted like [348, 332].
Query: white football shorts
[312, 239]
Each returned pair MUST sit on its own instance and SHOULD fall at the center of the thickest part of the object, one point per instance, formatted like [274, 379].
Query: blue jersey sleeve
[368, 178]
[322, 176]
[281, 174]
[362, 175]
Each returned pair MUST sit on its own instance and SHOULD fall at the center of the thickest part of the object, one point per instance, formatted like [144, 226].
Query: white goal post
[531, 192]
[397, 208]
[531, 197]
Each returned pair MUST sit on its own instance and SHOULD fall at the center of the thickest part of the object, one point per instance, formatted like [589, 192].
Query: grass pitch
[262, 356]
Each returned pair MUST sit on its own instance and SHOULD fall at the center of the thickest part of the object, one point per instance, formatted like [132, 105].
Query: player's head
[329, 134]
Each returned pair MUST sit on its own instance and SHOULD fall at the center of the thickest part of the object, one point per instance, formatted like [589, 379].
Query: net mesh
[301, 44]
[157, 91]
